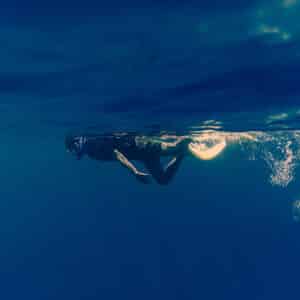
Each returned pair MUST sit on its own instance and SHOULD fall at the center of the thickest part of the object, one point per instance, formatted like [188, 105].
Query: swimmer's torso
[134, 147]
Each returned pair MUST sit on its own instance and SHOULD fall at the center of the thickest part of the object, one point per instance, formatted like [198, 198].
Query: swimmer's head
[76, 145]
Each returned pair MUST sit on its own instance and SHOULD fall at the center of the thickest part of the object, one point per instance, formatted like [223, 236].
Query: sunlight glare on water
[280, 150]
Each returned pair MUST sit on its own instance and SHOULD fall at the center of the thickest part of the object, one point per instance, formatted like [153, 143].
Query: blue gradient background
[85, 230]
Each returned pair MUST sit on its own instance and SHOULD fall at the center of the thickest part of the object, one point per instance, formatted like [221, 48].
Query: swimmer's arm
[143, 177]
[125, 162]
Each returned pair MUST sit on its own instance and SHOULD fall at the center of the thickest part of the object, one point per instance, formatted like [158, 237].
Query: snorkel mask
[76, 146]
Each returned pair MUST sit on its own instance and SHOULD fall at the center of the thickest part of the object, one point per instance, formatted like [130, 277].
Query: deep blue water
[224, 228]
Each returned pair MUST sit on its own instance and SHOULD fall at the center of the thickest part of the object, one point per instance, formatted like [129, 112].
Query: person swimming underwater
[125, 147]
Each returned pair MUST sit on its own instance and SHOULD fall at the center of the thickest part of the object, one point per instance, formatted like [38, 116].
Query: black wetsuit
[134, 147]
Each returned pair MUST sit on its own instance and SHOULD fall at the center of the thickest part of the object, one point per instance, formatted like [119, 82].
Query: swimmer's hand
[142, 177]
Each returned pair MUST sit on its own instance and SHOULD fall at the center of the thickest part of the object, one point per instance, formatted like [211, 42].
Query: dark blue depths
[85, 230]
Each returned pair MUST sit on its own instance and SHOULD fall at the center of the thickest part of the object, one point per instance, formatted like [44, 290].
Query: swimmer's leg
[163, 176]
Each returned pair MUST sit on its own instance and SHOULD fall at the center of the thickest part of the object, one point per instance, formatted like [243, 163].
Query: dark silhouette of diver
[125, 147]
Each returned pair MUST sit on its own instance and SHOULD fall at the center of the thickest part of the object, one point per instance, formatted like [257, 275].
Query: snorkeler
[125, 147]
